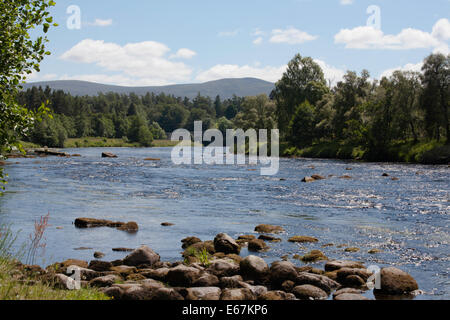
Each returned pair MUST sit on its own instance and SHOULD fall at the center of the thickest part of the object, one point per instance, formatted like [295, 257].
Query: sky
[150, 42]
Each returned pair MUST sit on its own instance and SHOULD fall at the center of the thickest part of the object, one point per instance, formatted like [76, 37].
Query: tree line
[358, 111]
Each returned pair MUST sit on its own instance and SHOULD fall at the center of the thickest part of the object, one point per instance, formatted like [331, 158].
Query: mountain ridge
[225, 88]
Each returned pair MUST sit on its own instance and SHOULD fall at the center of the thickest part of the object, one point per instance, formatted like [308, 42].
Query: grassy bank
[431, 152]
[25, 282]
[96, 142]
[18, 284]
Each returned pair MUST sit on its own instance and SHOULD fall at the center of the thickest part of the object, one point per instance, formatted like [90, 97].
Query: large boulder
[254, 268]
[205, 293]
[141, 256]
[309, 292]
[396, 282]
[280, 271]
[182, 276]
[226, 244]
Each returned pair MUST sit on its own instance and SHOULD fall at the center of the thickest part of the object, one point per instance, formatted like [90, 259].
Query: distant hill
[226, 88]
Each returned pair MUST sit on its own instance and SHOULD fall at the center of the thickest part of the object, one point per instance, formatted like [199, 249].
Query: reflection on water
[407, 219]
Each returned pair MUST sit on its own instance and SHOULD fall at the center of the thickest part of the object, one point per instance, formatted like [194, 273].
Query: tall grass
[17, 284]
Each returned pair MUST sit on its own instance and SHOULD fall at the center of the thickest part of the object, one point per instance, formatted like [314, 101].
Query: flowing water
[407, 219]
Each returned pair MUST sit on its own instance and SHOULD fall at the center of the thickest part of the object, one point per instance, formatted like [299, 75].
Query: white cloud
[268, 73]
[142, 61]
[258, 41]
[346, 2]
[366, 37]
[222, 71]
[184, 54]
[101, 23]
[417, 67]
[228, 33]
[290, 36]
[332, 74]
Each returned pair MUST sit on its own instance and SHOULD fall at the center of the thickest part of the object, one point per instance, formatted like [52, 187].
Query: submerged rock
[257, 245]
[267, 228]
[303, 239]
[108, 155]
[314, 255]
[269, 238]
[84, 223]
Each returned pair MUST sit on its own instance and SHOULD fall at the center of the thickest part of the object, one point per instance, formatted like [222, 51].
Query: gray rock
[339, 264]
[105, 281]
[255, 268]
[281, 271]
[309, 292]
[396, 282]
[231, 282]
[319, 281]
[277, 295]
[182, 276]
[223, 268]
[226, 244]
[206, 280]
[141, 256]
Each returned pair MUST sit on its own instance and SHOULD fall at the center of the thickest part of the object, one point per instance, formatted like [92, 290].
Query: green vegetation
[20, 282]
[20, 56]
[400, 118]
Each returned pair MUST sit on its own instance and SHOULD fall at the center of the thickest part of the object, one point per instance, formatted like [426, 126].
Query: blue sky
[148, 42]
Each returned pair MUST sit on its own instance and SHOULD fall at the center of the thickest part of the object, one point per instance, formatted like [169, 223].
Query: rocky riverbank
[215, 270]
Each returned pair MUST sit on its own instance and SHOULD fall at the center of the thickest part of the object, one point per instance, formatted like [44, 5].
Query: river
[408, 219]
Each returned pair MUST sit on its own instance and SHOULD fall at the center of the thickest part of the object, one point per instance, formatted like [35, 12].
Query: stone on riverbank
[226, 244]
[141, 256]
[254, 268]
[308, 292]
[396, 282]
